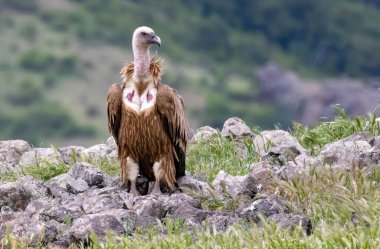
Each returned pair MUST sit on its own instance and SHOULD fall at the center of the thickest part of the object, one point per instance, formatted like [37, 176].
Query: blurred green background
[58, 57]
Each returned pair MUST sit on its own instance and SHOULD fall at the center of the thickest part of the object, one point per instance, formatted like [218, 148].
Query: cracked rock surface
[69, 207]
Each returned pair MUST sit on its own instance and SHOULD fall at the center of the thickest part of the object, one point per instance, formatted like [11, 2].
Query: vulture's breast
[144, 137]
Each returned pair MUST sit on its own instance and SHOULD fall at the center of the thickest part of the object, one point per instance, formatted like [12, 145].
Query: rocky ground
[67, 208]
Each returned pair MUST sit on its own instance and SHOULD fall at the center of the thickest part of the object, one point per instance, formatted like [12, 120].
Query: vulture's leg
[124, 172]
[156, 189]
[133, 189]
[133, 172]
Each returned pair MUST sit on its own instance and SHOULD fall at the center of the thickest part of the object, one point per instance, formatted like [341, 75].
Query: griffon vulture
[147, 119]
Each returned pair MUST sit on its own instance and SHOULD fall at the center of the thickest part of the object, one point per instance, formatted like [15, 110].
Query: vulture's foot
[133, 189]
[156, 189]
[134, 192]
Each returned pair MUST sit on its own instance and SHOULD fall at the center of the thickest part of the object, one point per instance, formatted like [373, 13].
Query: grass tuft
[110, 167]
[211, 155]
[47, 171]
[326, 132]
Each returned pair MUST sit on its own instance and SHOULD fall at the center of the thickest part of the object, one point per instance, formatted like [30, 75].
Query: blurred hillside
[58, 57]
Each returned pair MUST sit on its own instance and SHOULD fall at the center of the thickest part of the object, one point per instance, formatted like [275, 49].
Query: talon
[134, 192]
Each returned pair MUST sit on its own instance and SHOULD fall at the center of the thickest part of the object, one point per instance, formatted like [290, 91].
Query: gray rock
[102, 202]
[110, 190]
[76, 186]
[234, 186]
[282, 153]
[149, 205]
[66, 183]
[29, 229]
[203, 133]
[300, 165]
[62, 227]
[11, 152]
[190, 133]
[51, 209]
[131, 220]
[171, 202]
[56, 191]
[128, 199]
[41, 156]
[7, 214]
[291, 221]
[37, 188]
[112, 143]
[278, 141]
[101, 223]
[189, 183]
[360, 136]
[109, 181]
[371, 157]
[97, 153]
[241, 149]
[71, 154]
[64, 240]
[192, 216]
[236, 128]
[284, 170]
[15, 196]
[6, 210]
[259, 179]
[376, 142]
[263, 208]
[159, 206]
[114, 155]
[343, 153]
[142, 222]
[73, 203]
[220, 222]
[177, 205]
[90, 174]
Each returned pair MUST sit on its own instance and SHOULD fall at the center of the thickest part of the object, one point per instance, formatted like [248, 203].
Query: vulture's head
[144, 37]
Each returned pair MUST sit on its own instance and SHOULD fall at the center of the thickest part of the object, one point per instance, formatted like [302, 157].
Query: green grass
[9, 176]
[42, 170]
[47, 171]
[217, 153]
[342, 126]
[110, 167]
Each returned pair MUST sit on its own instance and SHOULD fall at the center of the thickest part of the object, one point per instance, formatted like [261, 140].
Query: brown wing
[114, 105]
[172, 113]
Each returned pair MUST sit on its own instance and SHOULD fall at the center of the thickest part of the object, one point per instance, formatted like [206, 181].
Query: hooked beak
[156, 40]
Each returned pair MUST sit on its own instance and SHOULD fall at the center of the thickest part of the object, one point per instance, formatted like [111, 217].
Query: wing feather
[114, 105]
[171, 110]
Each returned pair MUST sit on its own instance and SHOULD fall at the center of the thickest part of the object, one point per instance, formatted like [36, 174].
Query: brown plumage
[149, 126]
